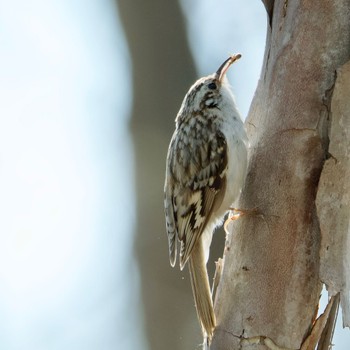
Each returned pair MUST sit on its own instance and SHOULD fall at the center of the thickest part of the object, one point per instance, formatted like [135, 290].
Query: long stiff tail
[201, 289]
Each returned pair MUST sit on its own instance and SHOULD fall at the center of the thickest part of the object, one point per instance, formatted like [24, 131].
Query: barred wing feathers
[194, 188]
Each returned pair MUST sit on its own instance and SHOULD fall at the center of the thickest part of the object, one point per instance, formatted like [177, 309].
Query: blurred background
[89, 91]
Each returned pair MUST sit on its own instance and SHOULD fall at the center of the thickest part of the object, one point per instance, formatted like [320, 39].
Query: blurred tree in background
[162, 70]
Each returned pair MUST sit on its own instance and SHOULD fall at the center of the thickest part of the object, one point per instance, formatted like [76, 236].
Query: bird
[205, 171]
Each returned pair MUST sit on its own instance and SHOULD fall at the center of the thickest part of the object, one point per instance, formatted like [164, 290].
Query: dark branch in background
[162, 69]
[269, 8]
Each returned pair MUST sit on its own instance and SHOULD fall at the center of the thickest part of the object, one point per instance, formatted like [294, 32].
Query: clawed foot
[239, 213]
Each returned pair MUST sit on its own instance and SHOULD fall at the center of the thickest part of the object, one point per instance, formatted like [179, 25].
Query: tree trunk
[270, 283]
[333, 197]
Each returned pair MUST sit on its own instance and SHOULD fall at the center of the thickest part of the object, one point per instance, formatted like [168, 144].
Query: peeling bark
[270, 282]
[333, 197]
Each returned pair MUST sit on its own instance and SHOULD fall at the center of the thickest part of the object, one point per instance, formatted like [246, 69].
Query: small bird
[205, 171]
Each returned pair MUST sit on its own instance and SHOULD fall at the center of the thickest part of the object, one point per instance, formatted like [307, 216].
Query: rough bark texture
[270, 282]
[333, 197]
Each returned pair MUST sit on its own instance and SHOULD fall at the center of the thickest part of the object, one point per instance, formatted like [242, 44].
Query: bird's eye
[212, 86]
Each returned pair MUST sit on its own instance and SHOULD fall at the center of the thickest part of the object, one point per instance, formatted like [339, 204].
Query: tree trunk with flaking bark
[270, 284]
[333, 197]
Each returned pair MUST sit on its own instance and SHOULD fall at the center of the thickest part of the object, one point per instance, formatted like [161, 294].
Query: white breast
[237, 144]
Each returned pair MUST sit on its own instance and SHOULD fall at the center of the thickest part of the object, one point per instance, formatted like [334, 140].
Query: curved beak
[220, 73]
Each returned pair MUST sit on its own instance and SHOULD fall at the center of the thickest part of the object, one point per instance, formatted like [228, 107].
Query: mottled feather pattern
[197, 166]
[205, 170]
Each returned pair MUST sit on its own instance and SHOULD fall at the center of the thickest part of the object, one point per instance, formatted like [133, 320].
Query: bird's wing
[170, 219]
[195, 187]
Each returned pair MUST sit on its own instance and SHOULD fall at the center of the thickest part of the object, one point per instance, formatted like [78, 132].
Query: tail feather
[201, 289]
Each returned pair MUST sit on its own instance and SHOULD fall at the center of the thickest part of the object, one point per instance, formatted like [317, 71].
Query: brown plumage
[206, 166]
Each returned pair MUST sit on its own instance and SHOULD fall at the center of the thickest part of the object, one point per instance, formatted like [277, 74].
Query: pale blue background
[67, 274]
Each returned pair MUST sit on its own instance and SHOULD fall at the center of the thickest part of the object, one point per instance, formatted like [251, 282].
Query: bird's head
[210, 92]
